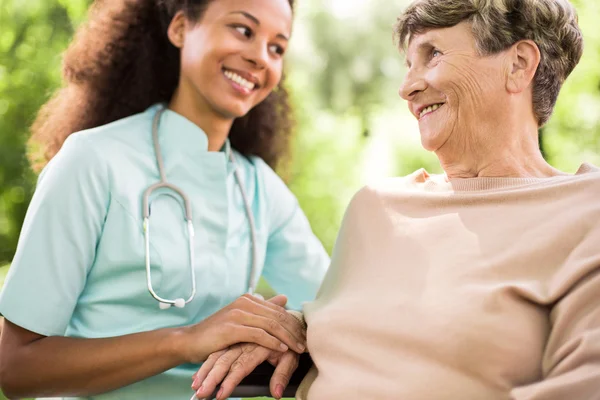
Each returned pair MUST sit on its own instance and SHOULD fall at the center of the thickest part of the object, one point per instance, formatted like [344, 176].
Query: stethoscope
[187, 209]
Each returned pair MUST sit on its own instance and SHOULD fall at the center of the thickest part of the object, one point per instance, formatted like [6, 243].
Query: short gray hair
[498, 24]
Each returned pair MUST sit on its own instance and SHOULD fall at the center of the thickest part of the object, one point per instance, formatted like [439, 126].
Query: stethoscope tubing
[163, 183]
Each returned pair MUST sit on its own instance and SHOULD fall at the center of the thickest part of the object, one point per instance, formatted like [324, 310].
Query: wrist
[174, 345]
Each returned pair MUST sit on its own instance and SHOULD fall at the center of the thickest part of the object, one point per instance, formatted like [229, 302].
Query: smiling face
[455, 93]
[232, 59]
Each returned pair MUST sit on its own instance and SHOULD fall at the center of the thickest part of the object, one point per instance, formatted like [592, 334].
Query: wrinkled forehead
[416, 39]
[455, 37]
[417, 42]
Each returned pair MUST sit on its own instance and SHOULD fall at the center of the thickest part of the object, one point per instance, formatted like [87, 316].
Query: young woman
[152, 221]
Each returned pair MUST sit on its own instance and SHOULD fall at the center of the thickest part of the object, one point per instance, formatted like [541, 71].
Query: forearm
[60, 366]
[32, 365]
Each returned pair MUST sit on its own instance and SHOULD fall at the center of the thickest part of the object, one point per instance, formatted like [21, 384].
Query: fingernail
[301, 347]
[219, 393]
[279, 391]
[200, 390]
[283, 347]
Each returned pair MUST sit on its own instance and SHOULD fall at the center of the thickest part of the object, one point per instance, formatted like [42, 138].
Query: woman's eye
[436, 53]
[276, 49]
[244, 30]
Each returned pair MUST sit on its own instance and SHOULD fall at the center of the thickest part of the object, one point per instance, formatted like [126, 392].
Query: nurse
[120, 287]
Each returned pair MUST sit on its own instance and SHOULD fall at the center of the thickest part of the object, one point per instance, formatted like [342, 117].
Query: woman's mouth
[238, 82]
[428, 110]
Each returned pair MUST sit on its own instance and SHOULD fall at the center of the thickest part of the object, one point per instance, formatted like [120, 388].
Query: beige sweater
[473, 289]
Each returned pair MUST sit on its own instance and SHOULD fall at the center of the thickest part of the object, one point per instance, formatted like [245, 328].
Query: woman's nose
[257, 54]
[412, 84]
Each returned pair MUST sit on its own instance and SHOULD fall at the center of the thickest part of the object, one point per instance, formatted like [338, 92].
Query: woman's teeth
[232, 76]
[430, 109]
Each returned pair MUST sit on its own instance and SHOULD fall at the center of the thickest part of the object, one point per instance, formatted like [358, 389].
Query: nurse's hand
[246, 320]
[229, 367]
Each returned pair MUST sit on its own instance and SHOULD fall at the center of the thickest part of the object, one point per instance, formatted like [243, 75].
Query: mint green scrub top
[79, 270]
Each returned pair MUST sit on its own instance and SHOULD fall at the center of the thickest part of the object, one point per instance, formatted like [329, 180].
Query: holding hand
[246, 320]
[230, 366]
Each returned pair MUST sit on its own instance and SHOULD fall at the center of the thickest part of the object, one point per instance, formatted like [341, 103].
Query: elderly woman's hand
[229, 367]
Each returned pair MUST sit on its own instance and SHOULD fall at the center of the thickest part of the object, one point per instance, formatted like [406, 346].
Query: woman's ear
[524, 61]
[176, 31]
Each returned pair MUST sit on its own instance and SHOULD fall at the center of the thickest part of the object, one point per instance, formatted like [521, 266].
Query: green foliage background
[344, 72]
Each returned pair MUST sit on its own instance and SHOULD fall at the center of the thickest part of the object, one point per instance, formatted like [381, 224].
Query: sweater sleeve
[571, 363]
[348, 240]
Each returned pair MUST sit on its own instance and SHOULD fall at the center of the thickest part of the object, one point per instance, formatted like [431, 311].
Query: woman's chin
[430, 142]
[233, 112]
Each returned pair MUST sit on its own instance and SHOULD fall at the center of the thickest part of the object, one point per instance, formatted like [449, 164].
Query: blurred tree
[344, 74]
[573, 134]
[341, 69]
[342, 61]
[32, 36]
[351, 60]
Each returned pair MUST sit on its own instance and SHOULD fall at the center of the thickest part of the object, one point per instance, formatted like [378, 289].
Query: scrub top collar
[178, 136]
[226, 148]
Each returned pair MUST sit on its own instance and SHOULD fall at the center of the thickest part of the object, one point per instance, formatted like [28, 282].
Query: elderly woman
[482, 283]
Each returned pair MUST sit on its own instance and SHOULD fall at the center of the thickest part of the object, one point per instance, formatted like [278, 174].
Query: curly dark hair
[106, 70]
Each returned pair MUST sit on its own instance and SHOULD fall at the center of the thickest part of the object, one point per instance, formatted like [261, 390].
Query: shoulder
[261, 168]
[278, 200]
[377, 196]
[397, 186]
[581, 188]
[266, 177]
[589, 173]
[93, 153]
[588, 183]
[131, 131]
[77, 159]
